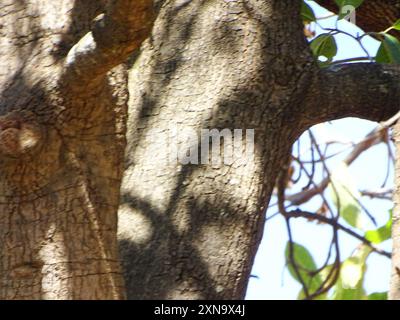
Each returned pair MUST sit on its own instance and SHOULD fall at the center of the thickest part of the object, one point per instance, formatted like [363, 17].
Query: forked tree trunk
[62, 138]
[188, 231]
[192, 231]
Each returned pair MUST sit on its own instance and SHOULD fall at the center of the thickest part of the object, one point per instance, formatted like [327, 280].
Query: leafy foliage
[345, 196]
[381, 234]
[340, 279]
[324, 45]
[307, 13]
[389, 51]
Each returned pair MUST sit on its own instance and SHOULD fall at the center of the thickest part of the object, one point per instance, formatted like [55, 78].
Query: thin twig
[312, 216]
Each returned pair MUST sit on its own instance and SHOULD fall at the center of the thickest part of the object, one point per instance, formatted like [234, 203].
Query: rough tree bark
[186, 231]
[192, 231]
[394, 292]
[62, 126]
[371, 16]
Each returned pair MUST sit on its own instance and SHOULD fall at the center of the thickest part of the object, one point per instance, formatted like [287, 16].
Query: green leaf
[381, 234]
[389, 51]
[324, 45]
[344, 5]
[378, 296]
[342, 293]
[396, 25]
[306, 266]
[302, 296]
[302, 257]
[382, 55]
[307, 13]
[352, 272]
[350, 283]
[345, 195]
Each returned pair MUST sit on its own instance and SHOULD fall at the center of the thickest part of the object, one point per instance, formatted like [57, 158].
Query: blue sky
[368, 172]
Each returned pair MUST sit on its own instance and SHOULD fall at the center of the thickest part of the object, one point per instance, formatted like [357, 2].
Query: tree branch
[364, 90]
[375, 137]
[372, 15]
[113, 37]
[316, 217]
[301, 197]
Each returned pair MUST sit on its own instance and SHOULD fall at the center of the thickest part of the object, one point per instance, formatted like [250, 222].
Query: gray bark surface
[192, 231]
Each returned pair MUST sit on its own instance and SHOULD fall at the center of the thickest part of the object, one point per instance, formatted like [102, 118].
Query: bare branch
[385, 194]
[114, 36]
[370, 140]
[365, 90]
[333, 222]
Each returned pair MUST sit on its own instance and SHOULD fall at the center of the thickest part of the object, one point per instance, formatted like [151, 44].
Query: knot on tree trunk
[18, 135]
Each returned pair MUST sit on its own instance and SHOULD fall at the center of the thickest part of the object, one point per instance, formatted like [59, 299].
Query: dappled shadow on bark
[82, 15]
[170, 257]
[49, 198]
[161, 250]
[169, 261]
[207, 222]
[178, 35]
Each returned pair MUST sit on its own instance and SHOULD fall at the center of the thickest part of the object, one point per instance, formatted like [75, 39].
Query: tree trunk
[394, 292]
[192, 230]
[186, 231]
[62, 138]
